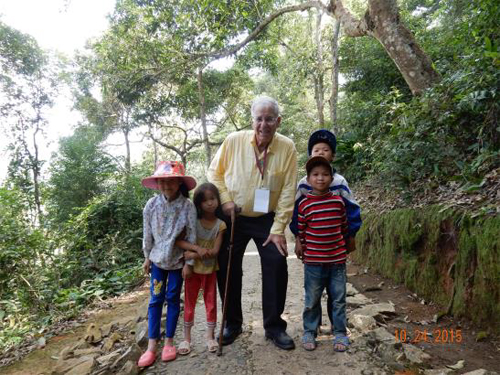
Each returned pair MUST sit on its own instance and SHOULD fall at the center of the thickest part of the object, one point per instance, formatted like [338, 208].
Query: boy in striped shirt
[322, 232]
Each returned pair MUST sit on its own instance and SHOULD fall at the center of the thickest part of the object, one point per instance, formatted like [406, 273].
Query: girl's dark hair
[199, 197]
[183, 189]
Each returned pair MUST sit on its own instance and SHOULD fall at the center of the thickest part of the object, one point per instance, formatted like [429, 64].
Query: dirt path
[374, 349]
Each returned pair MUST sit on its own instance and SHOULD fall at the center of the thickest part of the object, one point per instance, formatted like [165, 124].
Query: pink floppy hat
[168, 169]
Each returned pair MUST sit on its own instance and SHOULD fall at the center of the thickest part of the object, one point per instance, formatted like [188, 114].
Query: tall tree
[78, 173]
[334, 97]
[28, 81]
[381, 21]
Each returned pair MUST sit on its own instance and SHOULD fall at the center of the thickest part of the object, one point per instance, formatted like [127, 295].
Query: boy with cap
[321, 243]
[323, 143]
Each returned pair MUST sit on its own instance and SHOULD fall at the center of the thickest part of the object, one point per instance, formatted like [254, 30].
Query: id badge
[261, 200]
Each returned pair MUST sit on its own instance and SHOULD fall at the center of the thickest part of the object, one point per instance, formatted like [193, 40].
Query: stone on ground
[363, 323]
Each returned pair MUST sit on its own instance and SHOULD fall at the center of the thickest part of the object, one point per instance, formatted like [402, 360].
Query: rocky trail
[393, 332]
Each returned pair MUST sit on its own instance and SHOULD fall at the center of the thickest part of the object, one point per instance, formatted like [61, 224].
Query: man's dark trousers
[274, 273]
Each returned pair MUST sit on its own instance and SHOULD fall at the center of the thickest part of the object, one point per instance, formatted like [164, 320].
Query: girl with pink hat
[166, 216]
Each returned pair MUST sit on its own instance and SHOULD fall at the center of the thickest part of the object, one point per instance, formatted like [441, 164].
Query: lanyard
[262, 168]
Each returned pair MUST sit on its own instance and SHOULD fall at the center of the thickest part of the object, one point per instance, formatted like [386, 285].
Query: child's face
[169, 186]
[320, 179]
[210, 202]
[322, 149]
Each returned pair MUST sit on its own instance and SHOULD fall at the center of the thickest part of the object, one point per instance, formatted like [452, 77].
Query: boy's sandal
[308, 341]
[340, 343]
[184, 348]
[212, 346]
[147, 359]
[168, 353]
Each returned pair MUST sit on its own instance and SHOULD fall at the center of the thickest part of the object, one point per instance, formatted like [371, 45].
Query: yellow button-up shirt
[234, 171]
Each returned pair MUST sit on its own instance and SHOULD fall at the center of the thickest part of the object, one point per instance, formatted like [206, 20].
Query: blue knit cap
[322, 136]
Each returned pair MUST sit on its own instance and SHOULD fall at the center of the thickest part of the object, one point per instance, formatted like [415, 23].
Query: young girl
[209, 231]
[166, 215]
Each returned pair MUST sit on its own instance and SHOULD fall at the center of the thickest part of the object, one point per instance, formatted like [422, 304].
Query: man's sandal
[308, 341]
[212, 346]
[184, 348]
[340, 343]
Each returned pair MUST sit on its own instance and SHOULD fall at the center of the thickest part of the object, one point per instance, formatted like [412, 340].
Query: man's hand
[280, 241]
[187, 271]
[228, 207]
[146, 267]
[299, 251]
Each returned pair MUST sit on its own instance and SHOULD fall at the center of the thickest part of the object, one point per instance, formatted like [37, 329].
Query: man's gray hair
[265, 101]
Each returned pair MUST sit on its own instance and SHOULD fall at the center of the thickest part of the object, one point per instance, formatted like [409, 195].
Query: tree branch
[350, 25]
[235, 48]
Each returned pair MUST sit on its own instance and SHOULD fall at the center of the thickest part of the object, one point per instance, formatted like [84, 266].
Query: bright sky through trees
[62, 25]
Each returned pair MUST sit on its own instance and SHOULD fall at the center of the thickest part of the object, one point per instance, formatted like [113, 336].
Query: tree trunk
[319, 73]
[126, 132]
[400, 44]
[203, 117]
[35, 166]
[334, 98]
[382, 22]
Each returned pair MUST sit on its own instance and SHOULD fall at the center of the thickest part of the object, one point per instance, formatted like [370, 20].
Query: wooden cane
[228, 270]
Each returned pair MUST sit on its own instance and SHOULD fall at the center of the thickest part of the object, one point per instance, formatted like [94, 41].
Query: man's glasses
[268, 119]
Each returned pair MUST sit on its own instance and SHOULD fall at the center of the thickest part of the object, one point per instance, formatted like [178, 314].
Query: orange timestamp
[438, 336]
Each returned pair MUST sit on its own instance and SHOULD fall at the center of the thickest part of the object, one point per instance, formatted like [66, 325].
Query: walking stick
[228, 270]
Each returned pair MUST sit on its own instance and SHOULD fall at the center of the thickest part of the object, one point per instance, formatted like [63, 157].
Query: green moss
[417, 247]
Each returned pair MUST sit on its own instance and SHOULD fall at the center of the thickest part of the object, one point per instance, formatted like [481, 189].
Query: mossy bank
[444, 255]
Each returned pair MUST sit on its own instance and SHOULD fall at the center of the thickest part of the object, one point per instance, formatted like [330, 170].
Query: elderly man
[256, 171]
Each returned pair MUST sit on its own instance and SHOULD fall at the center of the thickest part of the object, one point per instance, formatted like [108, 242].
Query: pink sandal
[147, 359]
[168, 353]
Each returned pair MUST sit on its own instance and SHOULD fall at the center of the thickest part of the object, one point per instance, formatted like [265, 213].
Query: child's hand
[146, 267]
[187, 271]
[188, 255]
[350, 244]
[298, 249]
[202, 252]
[212, 253]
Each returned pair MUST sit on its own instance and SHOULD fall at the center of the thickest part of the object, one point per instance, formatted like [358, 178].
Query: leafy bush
[107, 233]
[449, 132]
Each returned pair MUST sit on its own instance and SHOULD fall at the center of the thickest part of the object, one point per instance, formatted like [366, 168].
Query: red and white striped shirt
[322, 225]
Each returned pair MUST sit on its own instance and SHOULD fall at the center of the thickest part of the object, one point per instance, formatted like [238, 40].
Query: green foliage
[19, 53]
[78, 173]
[107, 233]
[449, 132]
[21, 247]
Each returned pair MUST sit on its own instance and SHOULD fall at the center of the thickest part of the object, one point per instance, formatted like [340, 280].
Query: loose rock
[141, 334]
[132, 354]
[358, 300]
[363, 322]
[351, 290]
[88, 351]
[415, 355]
[441, 371]
[373, 310]
[93, 334]
[481, 372]
[457, 366]
[84, 368]
[129, 368]
[110, 341]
